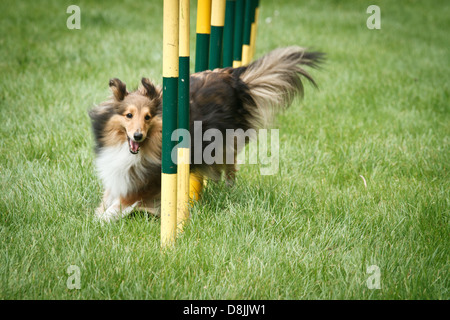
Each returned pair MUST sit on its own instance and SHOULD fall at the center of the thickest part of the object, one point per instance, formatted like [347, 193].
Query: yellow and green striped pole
[228, 33]
[169, 112]
[183, 116]
[254, 28]
[203, 31]
[238, 33]
[246, 32]
[217, 24]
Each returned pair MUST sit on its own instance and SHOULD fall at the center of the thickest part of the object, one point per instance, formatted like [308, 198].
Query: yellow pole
[183, 188]
[184, 28]
[170, 105]
[203, 16]
[183, 117]
[218, 13]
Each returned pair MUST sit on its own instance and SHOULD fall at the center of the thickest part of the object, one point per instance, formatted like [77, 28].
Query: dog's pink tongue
[134, 146]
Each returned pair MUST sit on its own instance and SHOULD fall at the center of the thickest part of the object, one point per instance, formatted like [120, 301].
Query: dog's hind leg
[230, 169]
[230, 174]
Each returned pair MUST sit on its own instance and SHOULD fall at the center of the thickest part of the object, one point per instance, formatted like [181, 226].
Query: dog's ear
[118, 88]
[150, 90]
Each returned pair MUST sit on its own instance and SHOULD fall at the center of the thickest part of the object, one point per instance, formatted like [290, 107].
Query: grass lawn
[308, 232]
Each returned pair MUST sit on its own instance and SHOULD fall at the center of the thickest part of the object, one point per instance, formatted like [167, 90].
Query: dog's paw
[115, 212]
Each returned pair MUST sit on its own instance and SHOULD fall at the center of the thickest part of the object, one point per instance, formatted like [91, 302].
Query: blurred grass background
[308, 232]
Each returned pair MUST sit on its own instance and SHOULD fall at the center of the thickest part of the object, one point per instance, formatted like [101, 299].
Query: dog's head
[137, 111]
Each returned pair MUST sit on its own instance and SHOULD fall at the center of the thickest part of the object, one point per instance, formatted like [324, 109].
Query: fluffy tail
[275, 79]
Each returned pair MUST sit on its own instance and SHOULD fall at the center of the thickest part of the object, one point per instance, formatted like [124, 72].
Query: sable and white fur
[127, 127]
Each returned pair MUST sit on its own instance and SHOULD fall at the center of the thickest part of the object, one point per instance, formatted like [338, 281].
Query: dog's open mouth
[134, 146]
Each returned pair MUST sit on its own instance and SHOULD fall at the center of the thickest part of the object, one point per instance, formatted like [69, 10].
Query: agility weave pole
[183, 115]
[169, 118]
[228, 34]
[217, 25]
[253, 28]
[246, 34]
[223, 29]
[175, 178]
[203, 31]
[229, 28]
[239, 36]
[202, 60]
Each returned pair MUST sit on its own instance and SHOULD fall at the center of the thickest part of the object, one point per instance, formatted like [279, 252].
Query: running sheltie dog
[127, 127]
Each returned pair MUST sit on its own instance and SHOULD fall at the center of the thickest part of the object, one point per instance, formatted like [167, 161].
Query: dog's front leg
[106, 202]
[116, 211]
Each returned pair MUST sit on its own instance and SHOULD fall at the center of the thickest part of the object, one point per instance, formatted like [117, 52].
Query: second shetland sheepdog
[127, 127]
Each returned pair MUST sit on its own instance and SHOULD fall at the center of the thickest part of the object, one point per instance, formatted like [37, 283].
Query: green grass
[308, 232]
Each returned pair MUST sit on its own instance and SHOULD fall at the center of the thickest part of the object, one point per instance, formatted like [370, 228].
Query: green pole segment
[183, 96]
[169, 115]
[238, 26]
[254, 6]
[228, 34]
[216, 41]
[247, 22]
[215, 49]
[203, 31]
[253, 28]
[202, 52]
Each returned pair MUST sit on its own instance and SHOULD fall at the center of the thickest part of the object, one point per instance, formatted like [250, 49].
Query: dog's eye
[129, 115]
[147, 117]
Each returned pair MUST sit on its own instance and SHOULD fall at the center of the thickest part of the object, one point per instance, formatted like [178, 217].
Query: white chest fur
[114, 165]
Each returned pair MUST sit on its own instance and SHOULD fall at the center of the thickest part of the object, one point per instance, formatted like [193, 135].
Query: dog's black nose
[138, 136]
